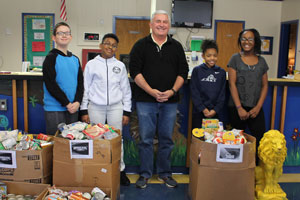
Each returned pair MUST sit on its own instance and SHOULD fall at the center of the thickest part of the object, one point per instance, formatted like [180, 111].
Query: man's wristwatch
[174, 92]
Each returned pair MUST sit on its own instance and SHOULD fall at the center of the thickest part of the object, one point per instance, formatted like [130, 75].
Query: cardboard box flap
[217, 183]
[96, 175]
[47, 155]
[25, 188]
[116, 148]
[85, 175]
[195, 150]
[204, 154]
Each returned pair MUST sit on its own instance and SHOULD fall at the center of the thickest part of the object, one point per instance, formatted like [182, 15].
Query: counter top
[21, 75]
[283, 81]
[39, 76]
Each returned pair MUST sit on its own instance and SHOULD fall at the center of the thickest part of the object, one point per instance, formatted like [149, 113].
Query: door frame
[115, 17]
[284, 45]
[229, 21]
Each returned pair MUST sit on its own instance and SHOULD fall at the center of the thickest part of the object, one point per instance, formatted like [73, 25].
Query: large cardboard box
[38, 190]
[102, 171]
[33, 166]
[210, 180]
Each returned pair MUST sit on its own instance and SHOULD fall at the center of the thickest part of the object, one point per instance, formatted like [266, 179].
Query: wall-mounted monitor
[192, 13]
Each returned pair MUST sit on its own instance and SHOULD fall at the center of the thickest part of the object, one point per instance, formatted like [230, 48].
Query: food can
[28, 197]
[35, 146]
[3, 190]
[61, 127]
[11, 195]
[9, 143]
[42, 136]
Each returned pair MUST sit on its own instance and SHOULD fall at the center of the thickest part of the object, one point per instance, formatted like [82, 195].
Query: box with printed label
[33, 166]
[210, 179]
[87, 163]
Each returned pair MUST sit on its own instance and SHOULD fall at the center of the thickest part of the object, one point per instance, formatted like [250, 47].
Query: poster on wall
[37, 31]
[266, 45]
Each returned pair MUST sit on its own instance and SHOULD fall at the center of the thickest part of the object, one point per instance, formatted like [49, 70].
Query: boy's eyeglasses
[63, 33]
[247, 39]
[110, 45]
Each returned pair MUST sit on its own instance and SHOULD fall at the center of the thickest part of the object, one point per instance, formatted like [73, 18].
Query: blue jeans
[154, 117]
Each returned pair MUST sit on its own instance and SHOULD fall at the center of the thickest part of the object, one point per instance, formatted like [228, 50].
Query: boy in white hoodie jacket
[107, 92]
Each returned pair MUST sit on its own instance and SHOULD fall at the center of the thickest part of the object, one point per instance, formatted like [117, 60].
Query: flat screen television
[192, 13]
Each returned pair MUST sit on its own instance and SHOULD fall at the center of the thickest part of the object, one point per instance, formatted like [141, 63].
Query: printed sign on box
[8, 159]
[81, 149]
[229, 153]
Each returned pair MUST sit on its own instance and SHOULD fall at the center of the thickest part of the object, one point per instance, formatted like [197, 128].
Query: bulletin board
[37, 31]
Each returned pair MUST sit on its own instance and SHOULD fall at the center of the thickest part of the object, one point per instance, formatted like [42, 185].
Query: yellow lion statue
[271, 152]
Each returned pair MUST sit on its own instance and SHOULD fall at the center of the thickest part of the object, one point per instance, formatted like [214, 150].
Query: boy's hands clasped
[209, 113]
[73, 107]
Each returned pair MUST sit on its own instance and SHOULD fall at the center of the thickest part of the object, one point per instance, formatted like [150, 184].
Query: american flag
[63, 11]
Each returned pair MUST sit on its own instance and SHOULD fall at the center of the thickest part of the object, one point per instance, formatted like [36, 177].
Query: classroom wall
[290, 12]
[97, 16]
[256, 14]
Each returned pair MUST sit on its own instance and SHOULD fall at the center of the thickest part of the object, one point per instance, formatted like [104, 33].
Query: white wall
[290, 12]
[83, 16]
[265, 16]
[11, 28]
[87, 15]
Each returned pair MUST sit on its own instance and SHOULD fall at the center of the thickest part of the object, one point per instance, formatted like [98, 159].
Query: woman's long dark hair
[257, 41]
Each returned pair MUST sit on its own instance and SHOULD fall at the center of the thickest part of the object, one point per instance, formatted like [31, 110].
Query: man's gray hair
[160, 12]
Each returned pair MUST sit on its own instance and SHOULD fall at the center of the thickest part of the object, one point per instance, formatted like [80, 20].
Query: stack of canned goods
[96, 194]
[16, 140]
[20, 197]
[82, 131]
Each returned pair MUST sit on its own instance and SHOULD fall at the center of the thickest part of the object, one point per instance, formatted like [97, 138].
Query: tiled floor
[157, 191]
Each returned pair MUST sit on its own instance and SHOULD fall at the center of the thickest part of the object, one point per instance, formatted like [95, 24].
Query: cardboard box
[33, 166]
[210, 179]
[102, 171]
[22, 188]
[107, 191]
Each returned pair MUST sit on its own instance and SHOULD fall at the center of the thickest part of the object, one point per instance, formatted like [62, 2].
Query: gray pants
[111, 114]
[53, 118]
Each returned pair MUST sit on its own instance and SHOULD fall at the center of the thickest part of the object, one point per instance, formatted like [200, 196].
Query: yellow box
[297, 76]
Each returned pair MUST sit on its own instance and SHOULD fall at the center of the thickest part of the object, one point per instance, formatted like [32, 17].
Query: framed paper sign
[266, 45]
[37, 42]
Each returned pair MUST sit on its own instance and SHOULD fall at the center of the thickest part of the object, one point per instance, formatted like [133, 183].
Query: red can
[42, 136]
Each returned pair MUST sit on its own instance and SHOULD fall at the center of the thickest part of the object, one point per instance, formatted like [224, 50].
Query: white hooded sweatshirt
[106, 83]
